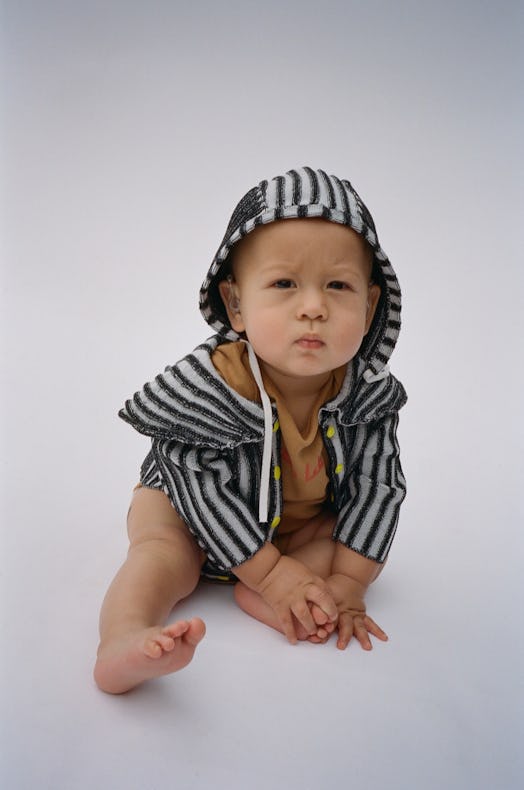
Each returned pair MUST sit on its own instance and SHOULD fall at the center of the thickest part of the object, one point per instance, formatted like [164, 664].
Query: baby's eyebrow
[279, 268]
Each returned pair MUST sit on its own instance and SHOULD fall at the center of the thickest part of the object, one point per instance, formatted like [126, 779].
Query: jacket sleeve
[368, 519]
[205, 487]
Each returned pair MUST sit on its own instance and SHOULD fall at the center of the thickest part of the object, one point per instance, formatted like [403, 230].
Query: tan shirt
[304, 478]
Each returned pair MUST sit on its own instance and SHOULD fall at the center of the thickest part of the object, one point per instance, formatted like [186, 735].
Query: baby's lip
[311, 336]
[310, 340]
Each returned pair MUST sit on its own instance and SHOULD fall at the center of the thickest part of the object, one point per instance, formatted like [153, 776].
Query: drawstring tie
[370, 377]
[263, 501]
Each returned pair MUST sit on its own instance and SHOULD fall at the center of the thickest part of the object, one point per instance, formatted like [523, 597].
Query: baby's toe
[152, 649]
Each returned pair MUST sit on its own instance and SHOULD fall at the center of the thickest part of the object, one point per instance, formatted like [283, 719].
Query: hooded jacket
[217, 455]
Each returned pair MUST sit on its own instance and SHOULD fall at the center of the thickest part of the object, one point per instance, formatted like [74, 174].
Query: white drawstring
[263, 501]
[370, 377]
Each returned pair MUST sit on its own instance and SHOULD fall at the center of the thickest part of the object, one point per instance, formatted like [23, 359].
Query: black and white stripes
[305, 192]
[207, 456]
[369, 502]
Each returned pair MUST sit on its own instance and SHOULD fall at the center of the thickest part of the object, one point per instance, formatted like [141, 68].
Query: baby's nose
[313, 305]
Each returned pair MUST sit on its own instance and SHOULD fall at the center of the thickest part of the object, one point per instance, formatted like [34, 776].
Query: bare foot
[127, 661]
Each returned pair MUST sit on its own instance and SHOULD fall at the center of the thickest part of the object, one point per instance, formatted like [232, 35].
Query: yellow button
[276, 426]
[275, 522]
[330, 432]
[338, 469]
[277, 472]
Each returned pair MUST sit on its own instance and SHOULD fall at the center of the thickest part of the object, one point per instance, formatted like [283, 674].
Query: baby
[274, 460]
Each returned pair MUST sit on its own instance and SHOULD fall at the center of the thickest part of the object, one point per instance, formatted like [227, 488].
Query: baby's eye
[283, 284]
[338, 285]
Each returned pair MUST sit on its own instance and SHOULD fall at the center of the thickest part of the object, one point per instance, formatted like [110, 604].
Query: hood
[310, 193]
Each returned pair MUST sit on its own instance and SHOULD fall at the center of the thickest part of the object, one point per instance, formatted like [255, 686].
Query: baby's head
[300, 291]
[314, 233]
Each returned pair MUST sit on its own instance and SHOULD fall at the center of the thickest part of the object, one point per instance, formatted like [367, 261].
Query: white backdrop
[129, 131]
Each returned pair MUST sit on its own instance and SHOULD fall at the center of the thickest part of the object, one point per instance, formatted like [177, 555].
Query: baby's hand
[325, 626]
[290, 589]
[352, 619]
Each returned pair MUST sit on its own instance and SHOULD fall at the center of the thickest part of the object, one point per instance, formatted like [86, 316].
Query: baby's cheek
[265, 334]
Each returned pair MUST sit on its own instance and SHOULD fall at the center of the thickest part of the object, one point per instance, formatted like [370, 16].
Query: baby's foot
[149, 653]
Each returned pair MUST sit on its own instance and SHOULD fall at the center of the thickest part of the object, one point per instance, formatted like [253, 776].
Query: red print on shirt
[309, 473]
[312, 473]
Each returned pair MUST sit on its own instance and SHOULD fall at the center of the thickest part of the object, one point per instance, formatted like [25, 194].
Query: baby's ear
[230, 297]
[373, 297]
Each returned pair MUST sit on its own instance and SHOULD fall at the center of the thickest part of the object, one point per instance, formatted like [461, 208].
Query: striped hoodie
[217, 455]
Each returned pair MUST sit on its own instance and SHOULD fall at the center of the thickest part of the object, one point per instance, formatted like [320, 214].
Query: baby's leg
[162, 567]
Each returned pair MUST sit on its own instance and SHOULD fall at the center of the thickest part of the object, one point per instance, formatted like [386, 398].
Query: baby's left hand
[352, 619]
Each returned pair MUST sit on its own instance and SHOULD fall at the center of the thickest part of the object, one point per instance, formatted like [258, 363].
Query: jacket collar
[191, 403]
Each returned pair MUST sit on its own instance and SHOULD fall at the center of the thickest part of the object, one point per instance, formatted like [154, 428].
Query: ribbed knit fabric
[207, 449]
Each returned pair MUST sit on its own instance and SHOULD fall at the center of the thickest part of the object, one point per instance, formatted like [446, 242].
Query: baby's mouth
[310, 341]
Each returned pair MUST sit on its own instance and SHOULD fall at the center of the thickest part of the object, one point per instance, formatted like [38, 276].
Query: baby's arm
[351, 575]
[289, 588]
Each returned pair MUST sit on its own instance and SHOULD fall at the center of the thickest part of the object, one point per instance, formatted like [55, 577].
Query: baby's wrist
[348, 583]
[350, 563]
[255, 571]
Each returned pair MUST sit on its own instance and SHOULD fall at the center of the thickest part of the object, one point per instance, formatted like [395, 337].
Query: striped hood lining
[302, 193]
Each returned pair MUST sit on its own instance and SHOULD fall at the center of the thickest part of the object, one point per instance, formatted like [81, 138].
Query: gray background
[129, 131]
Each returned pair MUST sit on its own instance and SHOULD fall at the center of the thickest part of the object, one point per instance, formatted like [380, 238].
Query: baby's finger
[345, 630]
[361, 633]
[318, 640]
[323, 600]
[318, 615]
[321, 619]
[303, 614]
[375, 629]
[287, 625]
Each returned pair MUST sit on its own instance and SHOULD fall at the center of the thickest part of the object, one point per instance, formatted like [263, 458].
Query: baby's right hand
[290, 589]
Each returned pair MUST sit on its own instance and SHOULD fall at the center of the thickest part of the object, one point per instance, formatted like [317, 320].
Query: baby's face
[301, 293]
